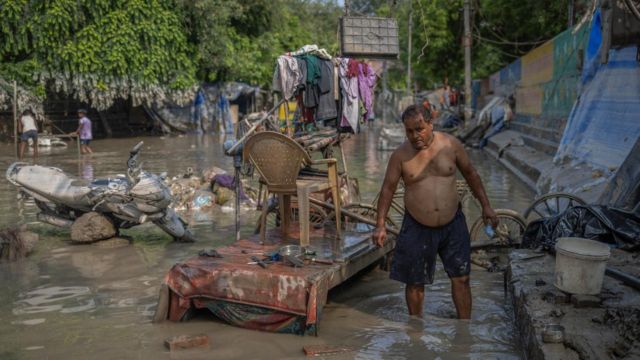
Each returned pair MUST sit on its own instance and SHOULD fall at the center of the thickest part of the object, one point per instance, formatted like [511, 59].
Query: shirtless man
[433, 222]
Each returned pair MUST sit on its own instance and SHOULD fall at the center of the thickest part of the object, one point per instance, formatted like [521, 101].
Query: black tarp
[617, 227]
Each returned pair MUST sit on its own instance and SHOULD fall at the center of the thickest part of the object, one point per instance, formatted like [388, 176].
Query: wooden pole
[352, 215]
[15, 117]
[409, 88]
[467, 61]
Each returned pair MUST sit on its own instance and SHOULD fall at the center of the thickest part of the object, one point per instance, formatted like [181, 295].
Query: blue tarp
[604, 123]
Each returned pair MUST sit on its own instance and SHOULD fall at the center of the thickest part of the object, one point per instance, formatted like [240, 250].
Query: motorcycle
[127, 201]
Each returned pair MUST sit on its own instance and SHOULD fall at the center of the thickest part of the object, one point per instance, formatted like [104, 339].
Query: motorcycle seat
[54, 184]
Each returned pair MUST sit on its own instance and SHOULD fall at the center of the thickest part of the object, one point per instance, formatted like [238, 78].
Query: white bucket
[580, 265]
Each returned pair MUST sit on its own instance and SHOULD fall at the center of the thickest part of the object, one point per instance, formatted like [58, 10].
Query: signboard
[370, 37]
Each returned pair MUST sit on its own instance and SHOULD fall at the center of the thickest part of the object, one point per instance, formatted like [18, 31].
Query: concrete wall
[544, 82]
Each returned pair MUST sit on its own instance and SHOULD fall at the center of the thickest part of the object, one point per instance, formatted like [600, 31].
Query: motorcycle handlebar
[136, 148]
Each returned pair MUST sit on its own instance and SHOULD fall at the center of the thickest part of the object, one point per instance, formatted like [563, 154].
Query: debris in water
[319, 350]
[186, 342]
[16, 242]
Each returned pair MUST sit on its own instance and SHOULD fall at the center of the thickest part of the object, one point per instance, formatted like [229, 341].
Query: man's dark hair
[414, 111]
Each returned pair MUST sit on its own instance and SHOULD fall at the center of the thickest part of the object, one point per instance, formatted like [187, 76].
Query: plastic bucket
[580, 265]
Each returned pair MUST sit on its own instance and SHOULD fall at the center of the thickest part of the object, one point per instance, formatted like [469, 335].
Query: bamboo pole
[352, 215]
[15, 117]
[249, 132]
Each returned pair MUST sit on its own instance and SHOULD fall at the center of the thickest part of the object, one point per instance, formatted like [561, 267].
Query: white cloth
[287, 76]
[312, 50]
[28, 123]
[349, 96]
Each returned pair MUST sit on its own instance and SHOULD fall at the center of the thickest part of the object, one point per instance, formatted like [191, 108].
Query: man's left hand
[489, 216]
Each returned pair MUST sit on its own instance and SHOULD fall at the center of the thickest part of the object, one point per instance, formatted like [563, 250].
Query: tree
[97, 50]
[503, 30]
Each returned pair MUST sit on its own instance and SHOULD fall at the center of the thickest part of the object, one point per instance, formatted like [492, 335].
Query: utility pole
[467, 61]
[346, 7]
[409, 88]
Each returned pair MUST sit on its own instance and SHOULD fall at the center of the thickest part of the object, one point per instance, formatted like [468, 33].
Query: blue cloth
[591, 58]
[603, 125]
[414, 259]
[224, 114]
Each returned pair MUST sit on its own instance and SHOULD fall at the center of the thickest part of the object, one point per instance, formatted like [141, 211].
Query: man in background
[84, 132]
[28, 130]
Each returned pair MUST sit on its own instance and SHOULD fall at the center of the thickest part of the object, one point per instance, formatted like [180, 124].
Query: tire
[510, 224]
[540, 207]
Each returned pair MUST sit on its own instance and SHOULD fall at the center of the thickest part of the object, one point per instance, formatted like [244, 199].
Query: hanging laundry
[353, 68]
[366, 84]
[349, 89]
[327, 104]
[311, 91]
[312, 50]
[287, 76]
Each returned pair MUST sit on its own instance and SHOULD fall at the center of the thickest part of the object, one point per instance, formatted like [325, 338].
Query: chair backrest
[277, 158]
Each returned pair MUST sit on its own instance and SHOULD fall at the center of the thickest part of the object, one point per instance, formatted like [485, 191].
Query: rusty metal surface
[300, 291]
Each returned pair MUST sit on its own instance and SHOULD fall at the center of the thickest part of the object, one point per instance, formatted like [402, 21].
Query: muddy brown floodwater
[82, 301]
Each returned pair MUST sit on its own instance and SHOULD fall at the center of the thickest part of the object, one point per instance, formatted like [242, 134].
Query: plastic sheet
[613, 226]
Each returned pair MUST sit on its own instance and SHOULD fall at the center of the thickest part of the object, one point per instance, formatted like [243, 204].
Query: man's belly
[432, 201]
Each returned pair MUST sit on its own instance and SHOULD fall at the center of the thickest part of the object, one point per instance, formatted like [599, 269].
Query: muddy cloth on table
[279, 299]
[602, 223]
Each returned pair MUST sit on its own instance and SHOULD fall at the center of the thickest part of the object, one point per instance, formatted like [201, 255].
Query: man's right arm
[389, 185]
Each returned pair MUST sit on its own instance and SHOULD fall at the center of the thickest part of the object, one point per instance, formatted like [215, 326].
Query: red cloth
[352, 68]
[300, 291]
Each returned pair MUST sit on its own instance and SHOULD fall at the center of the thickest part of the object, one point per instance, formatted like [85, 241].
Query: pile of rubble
[212, 188]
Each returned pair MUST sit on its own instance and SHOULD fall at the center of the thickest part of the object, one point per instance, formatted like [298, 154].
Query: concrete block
[186, 342]
[556, 297]
[585, 301]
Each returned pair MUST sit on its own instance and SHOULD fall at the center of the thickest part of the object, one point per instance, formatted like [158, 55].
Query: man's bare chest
[429, 164]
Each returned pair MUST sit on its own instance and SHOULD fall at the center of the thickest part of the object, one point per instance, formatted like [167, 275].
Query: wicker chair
[278, 159]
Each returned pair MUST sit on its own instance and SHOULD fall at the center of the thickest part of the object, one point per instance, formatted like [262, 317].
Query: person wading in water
[433, 221]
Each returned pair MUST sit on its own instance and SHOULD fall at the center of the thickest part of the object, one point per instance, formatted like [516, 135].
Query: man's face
[418, 131]
[80, 114]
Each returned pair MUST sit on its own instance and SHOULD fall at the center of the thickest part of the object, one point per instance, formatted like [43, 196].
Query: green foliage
[239, 40]
[101, 50]
[438, 31]
[96, 50]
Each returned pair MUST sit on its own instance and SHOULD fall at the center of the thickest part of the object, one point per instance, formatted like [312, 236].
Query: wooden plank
[319, 350]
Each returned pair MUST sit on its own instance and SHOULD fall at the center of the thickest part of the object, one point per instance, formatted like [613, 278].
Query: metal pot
[290, 250]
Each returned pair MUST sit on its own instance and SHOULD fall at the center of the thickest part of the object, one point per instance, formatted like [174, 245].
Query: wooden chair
[278, 159]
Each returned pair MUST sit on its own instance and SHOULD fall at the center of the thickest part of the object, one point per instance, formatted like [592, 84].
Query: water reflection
[55, 298]
[86, 166]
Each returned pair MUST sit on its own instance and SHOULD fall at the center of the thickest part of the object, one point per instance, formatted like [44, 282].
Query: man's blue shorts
[85, 141]
[414, 259]
[33, 134]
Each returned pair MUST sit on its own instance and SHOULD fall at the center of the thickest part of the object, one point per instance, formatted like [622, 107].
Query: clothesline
[325, 88]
